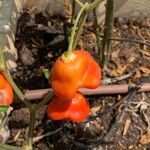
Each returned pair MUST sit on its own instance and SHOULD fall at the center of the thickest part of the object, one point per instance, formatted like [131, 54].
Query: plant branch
[9, 147]
[45, 100]
[74, 29]
[94, 5]
[73, 10]
[79, 3]
[99, 47]
[82, 20]
[4, 70]
[79, 23]
[16, 89]
[108, 32]
[33, 110]
[80, 30]
[2, 61]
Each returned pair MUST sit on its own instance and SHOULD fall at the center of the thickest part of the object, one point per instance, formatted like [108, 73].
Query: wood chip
[145, 139]
[145, 70]
[126, 126]
[95, 109]
[121, 145]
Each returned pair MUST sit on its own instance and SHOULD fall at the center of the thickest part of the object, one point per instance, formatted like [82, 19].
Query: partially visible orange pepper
[70, 75]
[6, 92]
[76, 110]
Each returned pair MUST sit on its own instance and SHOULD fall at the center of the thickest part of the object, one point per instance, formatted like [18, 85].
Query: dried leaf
[138, 74]
[95, 109]
[146, 53]
[119, 71]
[97, 125]
[131, 147]
[131, 59]
[121, 145]
[145, 139]
[145, 70]
[126, 126]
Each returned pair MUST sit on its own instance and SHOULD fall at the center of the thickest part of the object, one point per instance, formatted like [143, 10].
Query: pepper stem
[68, 57]
[75, 27]
[79, 23]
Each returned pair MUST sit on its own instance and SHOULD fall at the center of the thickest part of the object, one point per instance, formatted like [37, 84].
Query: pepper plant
[65, 104]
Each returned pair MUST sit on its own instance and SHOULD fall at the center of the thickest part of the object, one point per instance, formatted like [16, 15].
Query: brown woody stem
[108, 32]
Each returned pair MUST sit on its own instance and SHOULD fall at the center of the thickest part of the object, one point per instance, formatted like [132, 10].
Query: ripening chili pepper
[6, 92]
[69, 73]
[75, 110]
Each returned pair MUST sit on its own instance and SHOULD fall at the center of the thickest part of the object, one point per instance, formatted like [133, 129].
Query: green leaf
[4, 108]
[46, 73]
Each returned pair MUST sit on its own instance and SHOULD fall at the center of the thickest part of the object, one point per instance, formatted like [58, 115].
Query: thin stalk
[31, 125]
[16, 89]
[74, 29]
[108, 31]
[45, 100]
[4, 120]
[79, 32]
[94, 5]
[33, 110]
[7, 75]
[82, 20]
[79, 3]
[9, 147]
[73, 10]
[98, 41]
[2, 61]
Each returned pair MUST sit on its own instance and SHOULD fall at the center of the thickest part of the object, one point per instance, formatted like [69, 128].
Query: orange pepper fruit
[67, 77]
[76, 110]
[6, 92]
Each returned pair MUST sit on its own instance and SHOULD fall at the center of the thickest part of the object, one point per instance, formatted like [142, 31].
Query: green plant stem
[73, 10]
[98, 40]
[9, 147]
[108, 31]
[79, 32]
[74, 29]
[79, 3]
[16, 89]
[2, 61]
[45, 100]
[33, 110]
[4, 120]
[94, 5]
[81, 18]
[4, 70]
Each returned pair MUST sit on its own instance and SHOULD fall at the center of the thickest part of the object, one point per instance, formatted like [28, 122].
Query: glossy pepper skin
[76, 110]
[68, 77]
[6, 92]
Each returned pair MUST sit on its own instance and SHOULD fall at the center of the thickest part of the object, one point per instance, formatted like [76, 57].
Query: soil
[40, 39]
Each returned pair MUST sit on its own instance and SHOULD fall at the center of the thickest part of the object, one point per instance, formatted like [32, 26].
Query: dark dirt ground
[40, 39]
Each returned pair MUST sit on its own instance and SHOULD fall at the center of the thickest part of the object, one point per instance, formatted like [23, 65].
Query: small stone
[26, 56]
